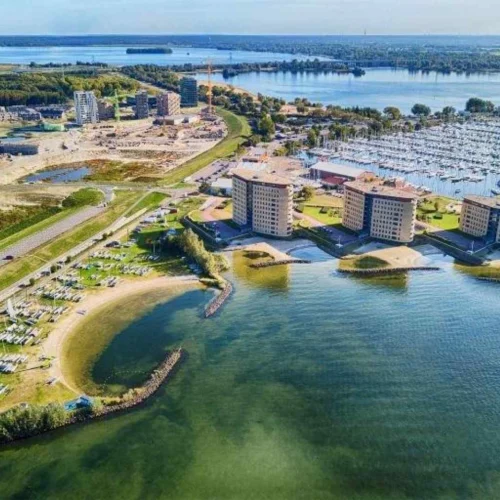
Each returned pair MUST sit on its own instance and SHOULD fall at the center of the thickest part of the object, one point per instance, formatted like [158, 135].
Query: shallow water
[60, 175]
[308, 385]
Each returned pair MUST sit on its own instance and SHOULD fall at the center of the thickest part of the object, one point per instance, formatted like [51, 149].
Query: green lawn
[325, 200]
[15, 270]
[448, 221]
[150, 201]
[238, 131]
[330, 218]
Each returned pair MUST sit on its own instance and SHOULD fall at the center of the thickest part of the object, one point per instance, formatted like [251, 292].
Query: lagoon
[307, 384]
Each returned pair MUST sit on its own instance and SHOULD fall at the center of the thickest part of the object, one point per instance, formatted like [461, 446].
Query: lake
[378, 88]
[306, 385]
[117, 55]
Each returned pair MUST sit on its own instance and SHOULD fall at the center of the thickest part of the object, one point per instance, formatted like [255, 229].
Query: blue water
[306, 385]
[59, 175]
[117, 55]
[378, 88]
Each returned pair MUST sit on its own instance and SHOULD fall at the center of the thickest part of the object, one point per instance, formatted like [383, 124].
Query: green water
[307, 385]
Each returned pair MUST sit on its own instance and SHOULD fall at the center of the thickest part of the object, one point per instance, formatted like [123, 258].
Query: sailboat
[11, 311]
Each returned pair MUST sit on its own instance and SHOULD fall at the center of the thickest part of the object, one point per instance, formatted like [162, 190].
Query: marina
[452, 159]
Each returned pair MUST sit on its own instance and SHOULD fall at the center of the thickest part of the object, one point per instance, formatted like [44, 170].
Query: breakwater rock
[272, 263]
[216, 303]
[382, 271]
[134, 398]
[486, 278]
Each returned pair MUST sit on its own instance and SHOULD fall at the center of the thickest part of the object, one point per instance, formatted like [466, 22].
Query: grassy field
[439, 218]
[150, 201]
[325, 200]
[238, 131]
[363, 262]
[329, 219]
[17, 269]
[10, 239]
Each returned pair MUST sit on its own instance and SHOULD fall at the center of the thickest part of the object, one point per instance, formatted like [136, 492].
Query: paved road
[27, 245]
[30, 243]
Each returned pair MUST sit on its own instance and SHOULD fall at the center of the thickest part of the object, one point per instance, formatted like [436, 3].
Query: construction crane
[116, 104]
[209, 91]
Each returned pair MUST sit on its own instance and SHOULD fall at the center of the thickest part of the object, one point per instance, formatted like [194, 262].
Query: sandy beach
[53, 346]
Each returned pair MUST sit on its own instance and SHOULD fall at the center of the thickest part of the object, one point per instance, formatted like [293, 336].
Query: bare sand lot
[165, 146]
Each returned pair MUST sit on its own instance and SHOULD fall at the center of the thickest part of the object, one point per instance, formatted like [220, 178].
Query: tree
[476, 105]
[266, 127]
[392, 112]
[312, 138]
[449, 111]
[421, 110]
[307, 193]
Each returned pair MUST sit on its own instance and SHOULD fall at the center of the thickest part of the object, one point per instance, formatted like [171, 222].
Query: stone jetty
[214, 305]
[272, 263]
[384, 271]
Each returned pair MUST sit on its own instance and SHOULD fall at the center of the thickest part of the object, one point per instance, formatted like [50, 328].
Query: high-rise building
[141, 105]
[105, 110]
[168, 104]
[86, 107]
[380, 210]
[189, 92]
[262, 202]
[480, 218]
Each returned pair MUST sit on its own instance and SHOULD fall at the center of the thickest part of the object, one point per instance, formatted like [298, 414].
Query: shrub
[24, 422]
[83, 197]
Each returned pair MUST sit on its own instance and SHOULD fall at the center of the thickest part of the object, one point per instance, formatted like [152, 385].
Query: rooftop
[262, 177]
[487, 201]
[378, 188]
[222, 183]
[340, 170]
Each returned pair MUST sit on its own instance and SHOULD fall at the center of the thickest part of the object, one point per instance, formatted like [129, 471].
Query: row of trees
[193, 247]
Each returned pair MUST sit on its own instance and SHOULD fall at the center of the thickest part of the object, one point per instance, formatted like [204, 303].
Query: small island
[150, 50]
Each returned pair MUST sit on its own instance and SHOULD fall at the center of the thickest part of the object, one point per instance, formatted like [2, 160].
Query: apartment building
[262, 202]
[380, 210]
[189, 92]
[105, 110]
[86, 107]
[141, 105]
[168, 104]
[480, 218]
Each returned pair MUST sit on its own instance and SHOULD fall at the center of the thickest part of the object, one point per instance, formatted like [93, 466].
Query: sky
[59, 17]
